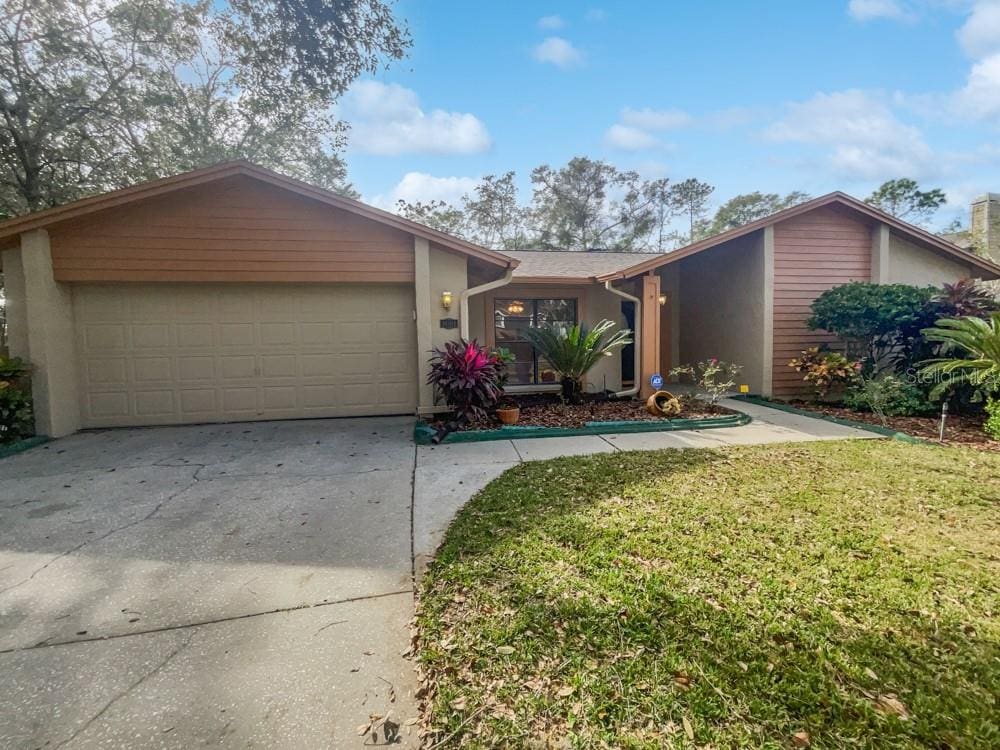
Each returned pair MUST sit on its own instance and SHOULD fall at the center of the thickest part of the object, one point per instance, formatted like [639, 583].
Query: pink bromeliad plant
[468, 377]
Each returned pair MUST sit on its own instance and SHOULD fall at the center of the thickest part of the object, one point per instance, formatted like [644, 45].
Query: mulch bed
[960, 429]
[547, 410]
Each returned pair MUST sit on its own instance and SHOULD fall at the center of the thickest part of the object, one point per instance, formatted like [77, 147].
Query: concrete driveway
[231, 585]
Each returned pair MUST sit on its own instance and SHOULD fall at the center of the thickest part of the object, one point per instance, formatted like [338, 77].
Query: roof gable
[837, 199]
[147, 190]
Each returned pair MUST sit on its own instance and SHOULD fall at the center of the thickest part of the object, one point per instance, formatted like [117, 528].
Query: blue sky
[773, 96]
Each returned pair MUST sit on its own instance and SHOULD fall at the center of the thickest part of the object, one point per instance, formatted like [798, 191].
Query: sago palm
[979, 340]
[574, 351]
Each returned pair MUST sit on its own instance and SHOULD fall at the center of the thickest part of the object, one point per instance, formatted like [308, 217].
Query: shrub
[574, 351]
[869, 317]
[888, 395]
[825, 370]
[712, 377]
[468, 377]
[16, 419]
[992, 424]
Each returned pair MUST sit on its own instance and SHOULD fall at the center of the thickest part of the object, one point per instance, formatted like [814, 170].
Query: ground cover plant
[766, 597]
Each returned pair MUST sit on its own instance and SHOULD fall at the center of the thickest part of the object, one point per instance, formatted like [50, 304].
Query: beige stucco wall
[599, 304]
[722, 307]
[48, 342]
[435, 271]
[477, 318]
[910, 264]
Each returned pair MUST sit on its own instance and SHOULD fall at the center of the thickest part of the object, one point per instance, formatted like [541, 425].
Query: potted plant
[507, 411]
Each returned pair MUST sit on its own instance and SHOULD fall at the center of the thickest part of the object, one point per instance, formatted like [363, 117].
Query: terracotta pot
[663, 404]
[509, 415]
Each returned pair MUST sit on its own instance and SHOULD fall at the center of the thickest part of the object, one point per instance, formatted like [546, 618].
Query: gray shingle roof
[572, 263]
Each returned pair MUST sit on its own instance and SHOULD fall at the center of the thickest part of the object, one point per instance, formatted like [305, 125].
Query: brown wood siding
[812, 253]
[234, 230]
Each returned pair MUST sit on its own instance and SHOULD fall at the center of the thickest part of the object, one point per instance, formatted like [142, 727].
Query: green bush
[889, 396]
[992, 425]
[869, 317]
[16, 420]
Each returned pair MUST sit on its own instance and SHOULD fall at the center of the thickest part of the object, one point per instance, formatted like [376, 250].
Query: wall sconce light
[446, 300]
[662, 300]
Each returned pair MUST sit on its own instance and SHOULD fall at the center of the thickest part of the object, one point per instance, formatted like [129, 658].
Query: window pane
[510, 318]
[522, 370]
[556, 312]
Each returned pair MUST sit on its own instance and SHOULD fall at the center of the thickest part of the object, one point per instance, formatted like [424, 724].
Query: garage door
[168, 354]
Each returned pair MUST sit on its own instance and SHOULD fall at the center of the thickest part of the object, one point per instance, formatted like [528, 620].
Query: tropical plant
[572, 352]
[825, 370]
[712, 377]
[868, 317]
[468, 377]
[16, 419]
[888, 395]
[979, 340]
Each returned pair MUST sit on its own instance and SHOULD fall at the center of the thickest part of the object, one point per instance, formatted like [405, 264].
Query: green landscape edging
[422, 433]
[877, 429]
[22, 445]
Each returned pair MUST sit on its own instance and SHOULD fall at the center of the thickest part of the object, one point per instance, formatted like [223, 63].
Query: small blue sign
[656, 380]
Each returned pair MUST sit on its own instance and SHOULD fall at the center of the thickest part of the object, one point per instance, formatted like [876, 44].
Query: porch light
[663, 300]
[446, 300]
[515, 307]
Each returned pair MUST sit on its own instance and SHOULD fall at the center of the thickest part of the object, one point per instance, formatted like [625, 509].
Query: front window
[510, 319]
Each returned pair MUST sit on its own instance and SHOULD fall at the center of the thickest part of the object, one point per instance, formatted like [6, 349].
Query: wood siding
[233, 230]
[812, 253]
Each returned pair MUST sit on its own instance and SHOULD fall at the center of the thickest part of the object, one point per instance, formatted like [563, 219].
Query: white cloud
[423, 187]
[980, 34]
[869, 10]
[551, 22]
[860, 134]
[627, 138]
[386, 119]
[980, 98]
[559, 52]
[656, 119]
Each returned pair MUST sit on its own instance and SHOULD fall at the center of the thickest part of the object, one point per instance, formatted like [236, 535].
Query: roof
[40, 219]
[912, 232]
[571, 265]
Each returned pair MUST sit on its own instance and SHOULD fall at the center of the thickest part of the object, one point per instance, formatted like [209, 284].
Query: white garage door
[175, 353]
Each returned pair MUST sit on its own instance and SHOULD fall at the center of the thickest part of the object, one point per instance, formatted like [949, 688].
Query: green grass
[724, 599]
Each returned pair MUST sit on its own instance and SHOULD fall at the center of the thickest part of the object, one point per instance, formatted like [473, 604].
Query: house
[234, 293]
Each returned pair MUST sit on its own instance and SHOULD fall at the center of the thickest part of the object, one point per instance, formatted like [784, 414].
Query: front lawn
[822, 595]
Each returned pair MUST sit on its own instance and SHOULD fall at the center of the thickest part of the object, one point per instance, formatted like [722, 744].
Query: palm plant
[979, 340]
[574, 351]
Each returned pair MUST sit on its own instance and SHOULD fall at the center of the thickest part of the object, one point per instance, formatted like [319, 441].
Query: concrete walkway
[447, 476]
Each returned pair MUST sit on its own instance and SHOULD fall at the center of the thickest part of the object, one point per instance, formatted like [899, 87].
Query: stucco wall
[600, 304]
[721, 307]
[449, 272]
[477, 318]
[910, 264]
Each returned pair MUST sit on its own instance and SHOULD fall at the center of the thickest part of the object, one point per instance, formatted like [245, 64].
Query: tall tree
[97, 94]
[496, 219]
[690, 198]
[904, 199]
[590, 204]
[435, 214]
[748, 207]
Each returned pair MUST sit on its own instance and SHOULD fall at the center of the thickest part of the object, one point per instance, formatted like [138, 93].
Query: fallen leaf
[505, 650]
[688, 729]
[363, 729]
[565, 691]
[801, 739]
[458, 704]
[890, 705]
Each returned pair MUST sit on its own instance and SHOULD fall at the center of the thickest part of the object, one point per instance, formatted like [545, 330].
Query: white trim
[636, 339]
[767, 381]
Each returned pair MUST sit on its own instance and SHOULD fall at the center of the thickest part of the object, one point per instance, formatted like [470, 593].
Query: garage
[171, 353]
[231, 294]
